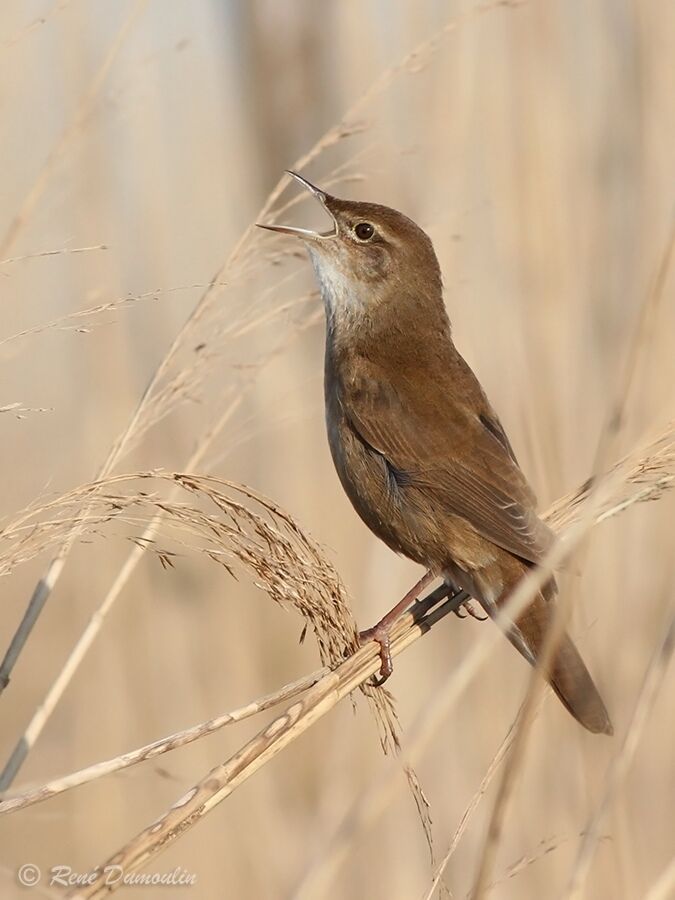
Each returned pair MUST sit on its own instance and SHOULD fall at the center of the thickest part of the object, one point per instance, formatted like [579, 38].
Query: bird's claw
[468, 606]
[380, 635]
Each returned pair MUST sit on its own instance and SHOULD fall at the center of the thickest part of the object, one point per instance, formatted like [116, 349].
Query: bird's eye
[364, 231]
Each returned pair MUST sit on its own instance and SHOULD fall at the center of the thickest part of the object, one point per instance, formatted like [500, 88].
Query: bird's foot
[468, 607]
[380, 634]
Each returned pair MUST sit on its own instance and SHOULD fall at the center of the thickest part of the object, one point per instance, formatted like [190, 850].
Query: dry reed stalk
[156, 748]
[229, 523]
[221, 781]
[135, 425]
[618, 770]
[542, 849]
[515, 754]
[61, 147]
[615, 416]
[643, 475]
[33, 25]
[19, 411]
[30, 201]
[61, 251]
[58, 686]
[664, 887]
[76, 321]
[475, 801]
[288, 565]
[608, 436]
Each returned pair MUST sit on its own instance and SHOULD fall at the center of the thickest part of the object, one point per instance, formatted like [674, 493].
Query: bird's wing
[455, 452]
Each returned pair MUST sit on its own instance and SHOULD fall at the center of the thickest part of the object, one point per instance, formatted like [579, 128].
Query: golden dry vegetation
[147, 329]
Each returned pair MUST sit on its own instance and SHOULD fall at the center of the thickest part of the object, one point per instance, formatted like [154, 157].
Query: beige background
[536, 146]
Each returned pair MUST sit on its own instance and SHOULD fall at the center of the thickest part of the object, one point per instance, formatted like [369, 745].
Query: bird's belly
[385, 507]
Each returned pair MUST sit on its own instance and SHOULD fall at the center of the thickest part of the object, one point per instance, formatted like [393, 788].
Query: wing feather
[457, 455]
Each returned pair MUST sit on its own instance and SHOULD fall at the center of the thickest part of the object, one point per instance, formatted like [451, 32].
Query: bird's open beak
[305, 233]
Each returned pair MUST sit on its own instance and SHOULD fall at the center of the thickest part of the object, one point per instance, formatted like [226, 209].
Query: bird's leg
[380, 632]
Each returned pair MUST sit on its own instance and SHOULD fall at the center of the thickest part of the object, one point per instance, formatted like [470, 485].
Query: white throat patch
[337, 291]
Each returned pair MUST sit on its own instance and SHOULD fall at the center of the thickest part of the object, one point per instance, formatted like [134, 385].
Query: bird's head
[371, 254]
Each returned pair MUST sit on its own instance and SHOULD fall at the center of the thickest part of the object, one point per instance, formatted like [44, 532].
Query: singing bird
[419, 450]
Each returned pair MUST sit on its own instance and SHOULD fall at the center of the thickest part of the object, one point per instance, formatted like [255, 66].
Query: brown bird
[417, 446]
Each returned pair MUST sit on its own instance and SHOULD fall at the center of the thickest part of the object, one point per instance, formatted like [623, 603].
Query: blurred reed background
[535, 142]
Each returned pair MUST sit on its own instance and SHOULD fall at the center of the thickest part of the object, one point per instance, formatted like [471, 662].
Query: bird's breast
[376, 490]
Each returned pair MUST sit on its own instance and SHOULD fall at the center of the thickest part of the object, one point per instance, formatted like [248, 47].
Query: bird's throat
[342, 296]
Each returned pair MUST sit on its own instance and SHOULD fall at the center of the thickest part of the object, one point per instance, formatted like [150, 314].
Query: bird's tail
[567, 673]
